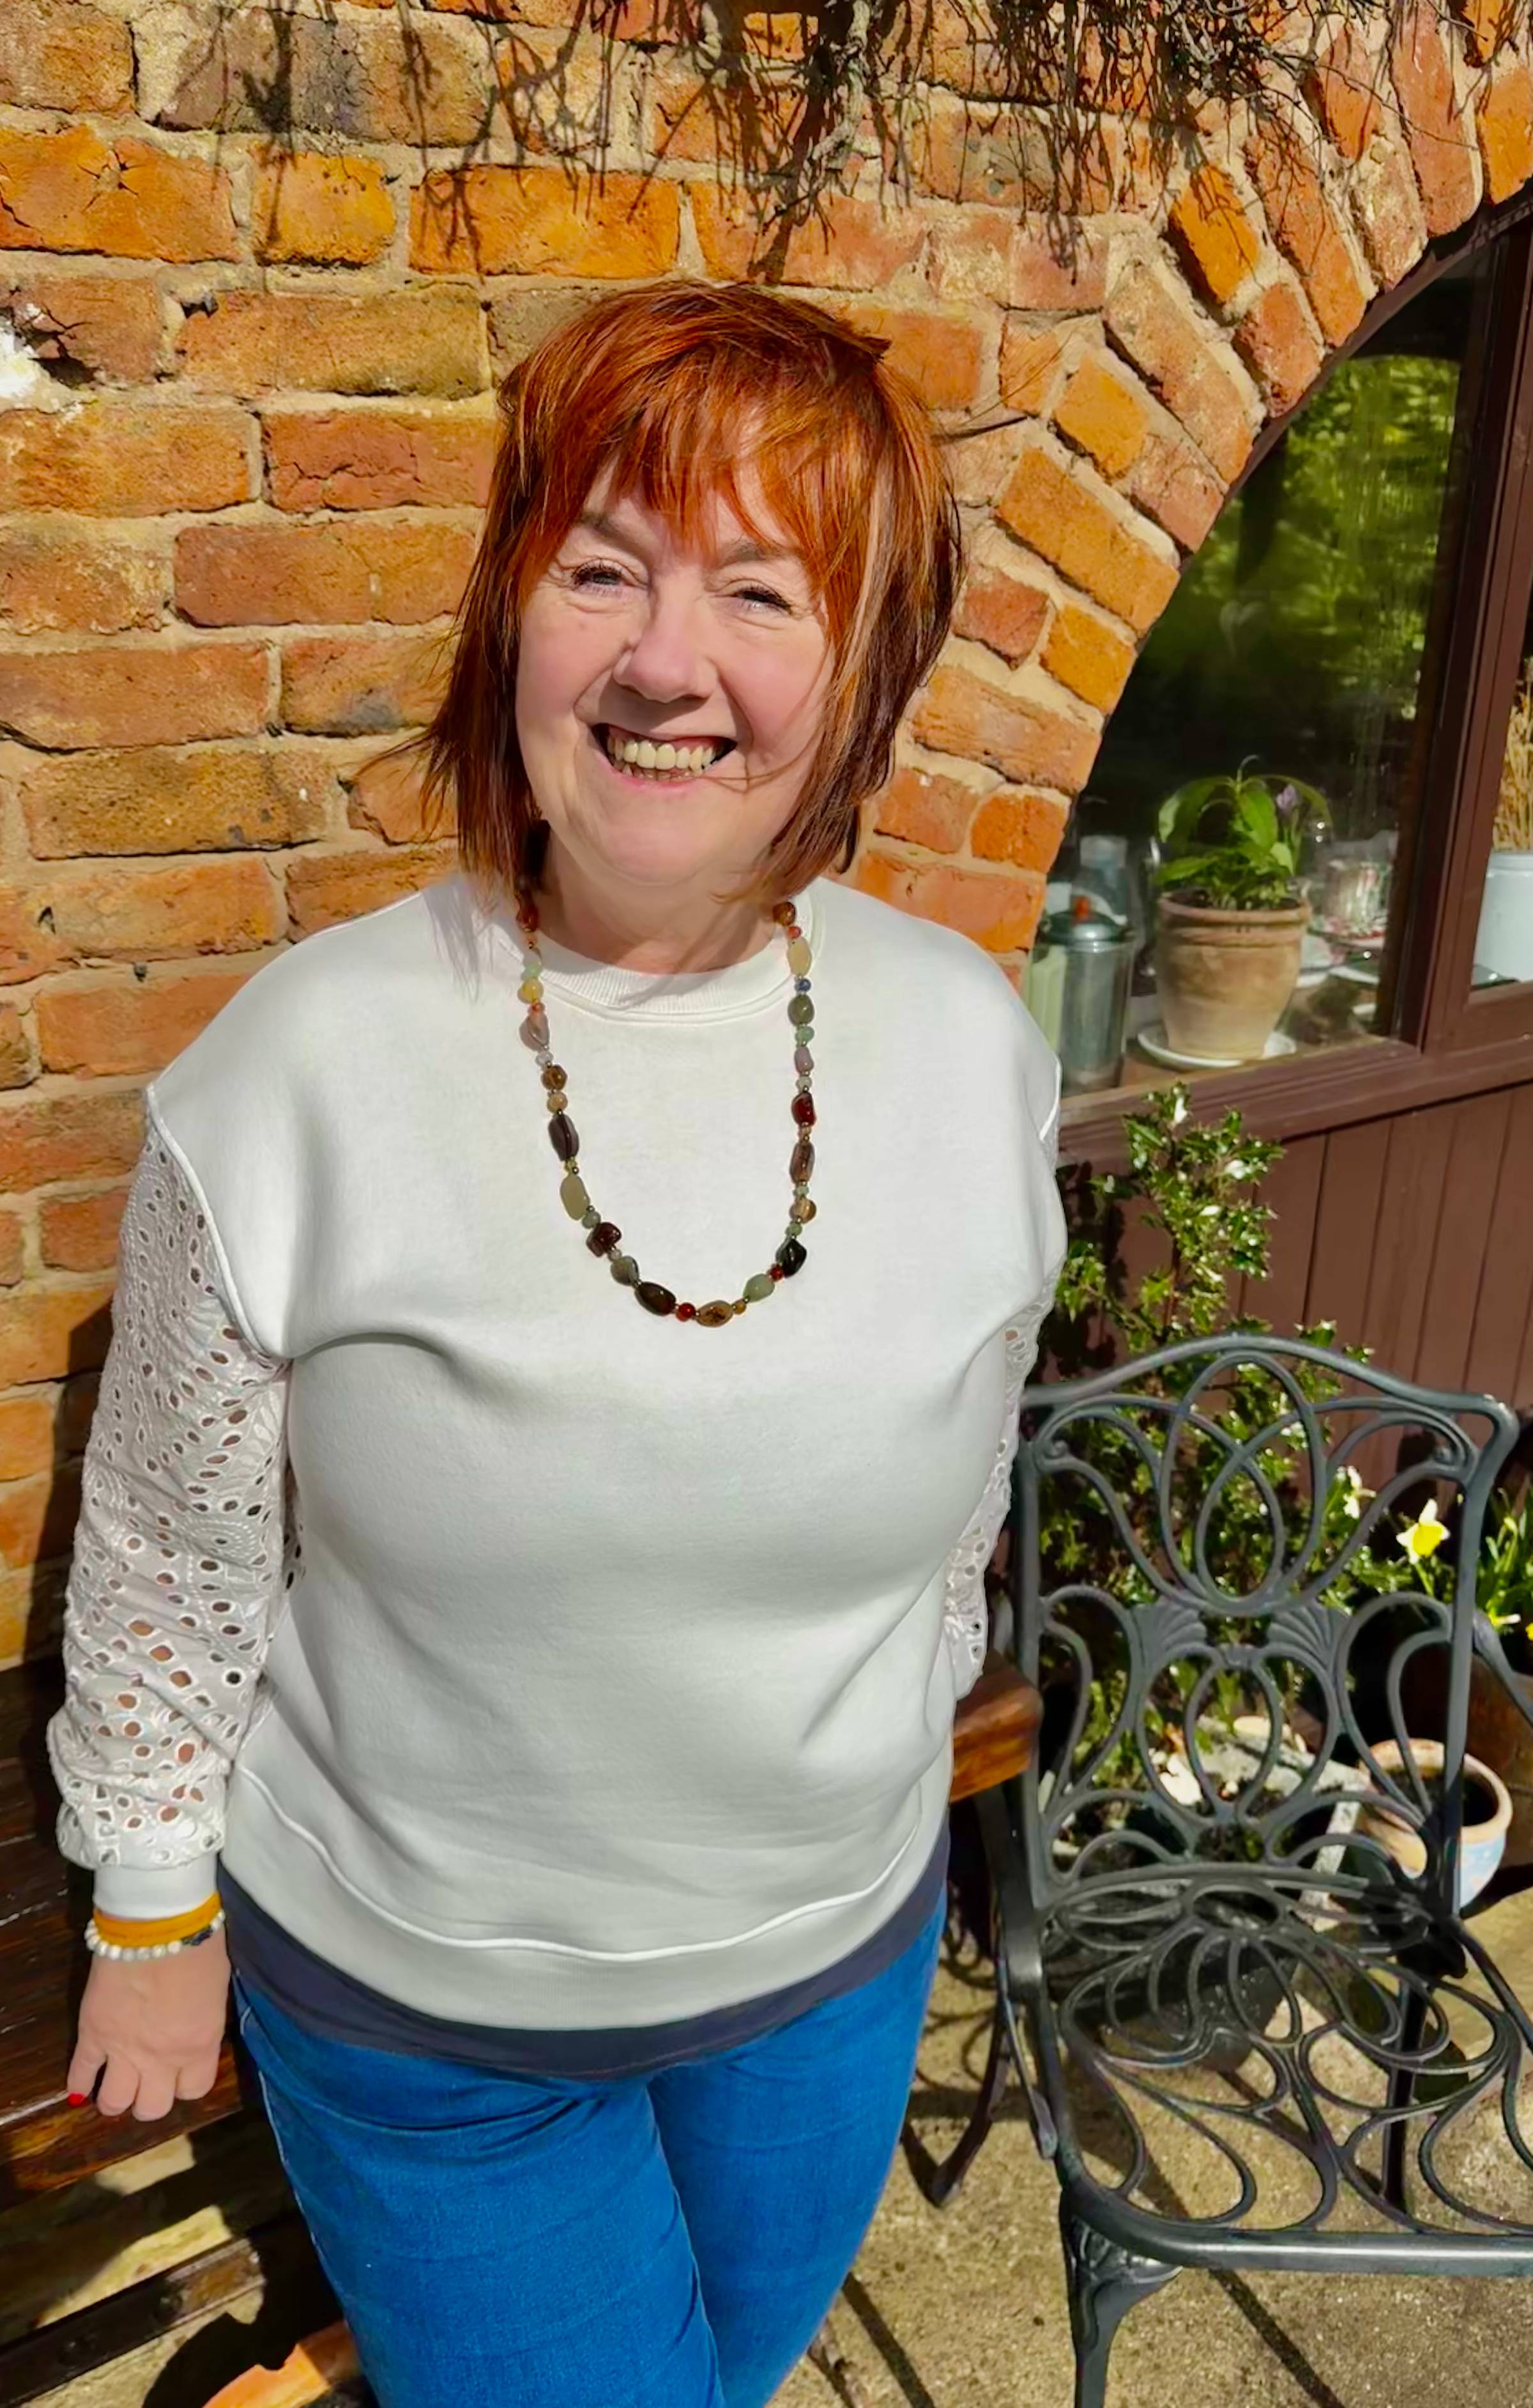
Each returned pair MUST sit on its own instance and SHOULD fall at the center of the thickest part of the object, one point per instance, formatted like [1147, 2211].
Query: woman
[550, 1716]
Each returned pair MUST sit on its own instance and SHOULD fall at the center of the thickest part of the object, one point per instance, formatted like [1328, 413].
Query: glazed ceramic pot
[1487, 1817]
[1225, 979]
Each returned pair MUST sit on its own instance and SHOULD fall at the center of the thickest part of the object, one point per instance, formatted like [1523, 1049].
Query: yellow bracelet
[125, 1933]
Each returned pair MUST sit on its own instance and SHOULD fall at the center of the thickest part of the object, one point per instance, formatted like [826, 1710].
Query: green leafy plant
[1233, 842]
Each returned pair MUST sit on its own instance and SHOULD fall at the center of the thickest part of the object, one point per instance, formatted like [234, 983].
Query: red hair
[671, 387]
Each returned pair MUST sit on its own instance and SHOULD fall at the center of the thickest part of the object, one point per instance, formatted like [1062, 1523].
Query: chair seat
[1261, 2053]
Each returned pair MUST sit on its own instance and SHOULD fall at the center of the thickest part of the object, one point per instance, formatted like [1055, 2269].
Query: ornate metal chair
[1257, 2039]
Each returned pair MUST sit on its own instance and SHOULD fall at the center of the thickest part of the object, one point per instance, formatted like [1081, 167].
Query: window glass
[1503, 949]
[1250, 922]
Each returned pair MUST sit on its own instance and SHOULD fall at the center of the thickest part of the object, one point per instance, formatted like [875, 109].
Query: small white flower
[1179, 1112]
[1352, 1503]
[1209, 1210]
[1236, 1169]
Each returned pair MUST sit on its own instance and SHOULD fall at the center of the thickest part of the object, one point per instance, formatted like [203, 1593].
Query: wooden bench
[46, 2144]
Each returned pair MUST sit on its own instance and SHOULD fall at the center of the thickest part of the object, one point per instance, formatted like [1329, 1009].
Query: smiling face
[630, 638]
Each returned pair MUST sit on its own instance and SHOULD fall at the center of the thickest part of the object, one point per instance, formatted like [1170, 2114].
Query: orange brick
[1021, 738]
[998, 910]
[1088, 656]
[78, 1233]
[134, 694]
[1441, 149]
[386, 798]
[1349, 91]
[1277, 345]
[1018, 826]
[62, 54]
[404, 80]
[362, 685]
[414, 342]
[856, 247]
[1305, 229]
[47, 1331]
[682, 114]
[37, 1517]
[1102, 415]
[1171, 484]
[378, 460]
[117, 1025]
[1491, 25]
[1212, 232]
[29, 943]
[32, 1612]
[249, 575]
[126, 914]
[1029, 368]
[124, 459]
[53, 578]
[943, 357]
[1505, 125]
[925, 809]
[26, 1436]
[326, 211]
[68, 1135]
[324, 888]
[74, 191]
[494, 220]
[1173, 353]
[149, 800]
[1053, 510]
[1002, 611]
[12, 1253]
[108, 328]
[16, 1068]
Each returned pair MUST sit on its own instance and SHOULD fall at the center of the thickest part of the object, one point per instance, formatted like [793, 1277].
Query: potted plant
[1505, 940]
[1486, 1814]
[1232, 916]
[1499, 1732]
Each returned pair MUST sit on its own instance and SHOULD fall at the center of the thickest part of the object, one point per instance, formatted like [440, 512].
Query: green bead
[590, 1217]
[624, 1269]
[760, 1287]
[800, 1011]
[572, 1195]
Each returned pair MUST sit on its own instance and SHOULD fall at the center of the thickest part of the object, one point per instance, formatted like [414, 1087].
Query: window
[1302, 653]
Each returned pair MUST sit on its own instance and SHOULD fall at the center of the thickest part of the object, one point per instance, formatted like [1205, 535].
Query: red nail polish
[77, 2098]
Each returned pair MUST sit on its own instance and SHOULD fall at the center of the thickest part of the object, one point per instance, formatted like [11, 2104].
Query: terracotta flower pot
[1501, 1737]
[1487, 1817]
[1226, 978]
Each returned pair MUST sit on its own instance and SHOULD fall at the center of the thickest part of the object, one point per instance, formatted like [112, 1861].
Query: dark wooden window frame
[1451, 1039]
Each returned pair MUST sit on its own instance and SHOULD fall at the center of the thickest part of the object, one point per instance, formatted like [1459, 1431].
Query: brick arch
[1142, 379]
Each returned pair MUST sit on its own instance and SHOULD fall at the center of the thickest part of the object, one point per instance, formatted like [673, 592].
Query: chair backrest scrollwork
[1243, 1575]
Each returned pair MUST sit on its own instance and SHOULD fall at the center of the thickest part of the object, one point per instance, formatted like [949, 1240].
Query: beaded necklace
[604, 1235]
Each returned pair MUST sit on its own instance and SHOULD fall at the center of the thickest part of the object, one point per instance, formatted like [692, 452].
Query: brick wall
[259, 270]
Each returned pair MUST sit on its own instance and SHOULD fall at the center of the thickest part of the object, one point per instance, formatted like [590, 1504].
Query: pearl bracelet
[99, 1947]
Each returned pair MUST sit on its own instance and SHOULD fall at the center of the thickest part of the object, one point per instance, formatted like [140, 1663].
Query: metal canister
[1077, 990]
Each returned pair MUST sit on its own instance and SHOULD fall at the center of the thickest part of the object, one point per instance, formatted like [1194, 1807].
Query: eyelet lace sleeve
[966, 1617]
[178, 1562]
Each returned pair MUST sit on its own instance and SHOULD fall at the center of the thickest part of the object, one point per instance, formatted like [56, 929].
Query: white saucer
[1152, 1039]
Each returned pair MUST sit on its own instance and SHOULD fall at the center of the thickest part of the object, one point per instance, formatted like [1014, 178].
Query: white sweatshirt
[538, 1661]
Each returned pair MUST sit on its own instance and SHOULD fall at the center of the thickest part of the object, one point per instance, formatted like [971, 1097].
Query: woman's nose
[667, 657]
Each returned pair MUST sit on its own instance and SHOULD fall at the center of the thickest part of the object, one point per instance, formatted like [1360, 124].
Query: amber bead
[791, 1257]
[686, 1312]
[562, 1136]
[604, 1236]
[653, 1298]
[784, 914]
[553, 1074]
[713, 1316]
[803, 1209]
[803, 1111]
[801, 1160]
[556, 1099]
[535, 1030]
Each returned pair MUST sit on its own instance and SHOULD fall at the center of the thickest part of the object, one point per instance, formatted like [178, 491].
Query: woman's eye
[763, 594]
[592, 570]
[602, 574]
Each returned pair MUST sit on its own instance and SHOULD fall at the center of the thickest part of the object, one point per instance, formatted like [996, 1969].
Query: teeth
[637, 752]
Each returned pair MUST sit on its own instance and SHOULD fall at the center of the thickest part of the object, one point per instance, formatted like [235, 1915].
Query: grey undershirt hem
[331, 2003]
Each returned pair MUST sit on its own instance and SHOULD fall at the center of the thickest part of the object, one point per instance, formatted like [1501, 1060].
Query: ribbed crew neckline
[615, 991]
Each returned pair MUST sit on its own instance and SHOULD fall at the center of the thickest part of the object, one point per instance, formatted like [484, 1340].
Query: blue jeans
[673, 2240]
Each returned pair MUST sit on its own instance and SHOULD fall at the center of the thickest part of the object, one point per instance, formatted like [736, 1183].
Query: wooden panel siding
[1415, 1235]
